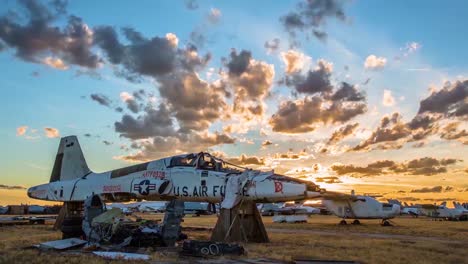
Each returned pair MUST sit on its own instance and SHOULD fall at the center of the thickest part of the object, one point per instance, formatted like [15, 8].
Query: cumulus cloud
[247, 160]
[447, 104]
[323, 104]
[173, 40]
[294, 61]
[12, 187]
[388, 99]
[450, 100]
[311, 16]
[154, 122]
[373, 62]
[20, 131]
[130, 101]
[328, 180]
[191, 4]
[214, 15]
[51, 132]
[391, 129]
[342, 133]
[410, 48]
[435, 189]
[314, 81]
[55, 63]
[421, 166]
[37, 39]
[302, 116]
[272, 45]
[101, 99]
[451, 132]
[290, 155]
[160, 146]
[251, 80]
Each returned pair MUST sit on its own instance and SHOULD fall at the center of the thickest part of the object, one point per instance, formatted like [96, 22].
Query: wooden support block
[242, 223]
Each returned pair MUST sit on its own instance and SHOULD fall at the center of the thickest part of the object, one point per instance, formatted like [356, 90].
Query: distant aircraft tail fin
[458, 206]
[69, 162]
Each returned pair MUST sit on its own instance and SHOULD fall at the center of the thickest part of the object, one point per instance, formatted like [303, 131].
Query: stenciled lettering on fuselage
[144, 187]
[111, 188]
[154, 174]
[278, 187]
[208, 191]
[199, 191]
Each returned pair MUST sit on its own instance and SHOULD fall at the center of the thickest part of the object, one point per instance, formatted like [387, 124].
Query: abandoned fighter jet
[351, 206]
[197, 177]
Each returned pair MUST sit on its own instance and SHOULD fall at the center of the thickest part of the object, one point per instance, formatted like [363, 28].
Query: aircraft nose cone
[30, 193]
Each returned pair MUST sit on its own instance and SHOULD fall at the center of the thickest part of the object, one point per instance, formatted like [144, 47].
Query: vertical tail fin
[69, 162]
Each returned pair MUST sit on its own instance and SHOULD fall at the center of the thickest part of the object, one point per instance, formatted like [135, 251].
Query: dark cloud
[310, 17]
[450, 100]
[348, 92]
[37, 39]
[163, 146]
[304, 115]
[316, 81]
[246, 160]
[154, 122]
[12, 187]
[422, 166]
[132, 105]
[391, 128]
[101, 99]
[267, 143]
[149, 57]
[106, 37]
[139, 94]
[324, 104]
[342, 132]
[238, 63]
[191, 4]
[87, 135]
[435, 189]
[272, 45]
[107, 143]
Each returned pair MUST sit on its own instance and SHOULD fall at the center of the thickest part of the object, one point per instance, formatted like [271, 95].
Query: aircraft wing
[337, 196]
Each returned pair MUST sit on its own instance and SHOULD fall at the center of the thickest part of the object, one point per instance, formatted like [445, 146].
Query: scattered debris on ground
[63, 244]
[210, 248]
[121, 255]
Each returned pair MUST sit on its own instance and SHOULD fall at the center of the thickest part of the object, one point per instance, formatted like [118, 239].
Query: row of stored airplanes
[194, 177]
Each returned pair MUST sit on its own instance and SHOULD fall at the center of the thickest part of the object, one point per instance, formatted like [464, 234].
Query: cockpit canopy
[205, 161]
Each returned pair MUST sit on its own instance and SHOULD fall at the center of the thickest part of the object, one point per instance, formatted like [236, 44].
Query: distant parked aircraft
[359, 207]
[443, 212]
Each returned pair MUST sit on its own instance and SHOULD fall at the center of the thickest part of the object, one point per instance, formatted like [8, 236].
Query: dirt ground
[408, 241]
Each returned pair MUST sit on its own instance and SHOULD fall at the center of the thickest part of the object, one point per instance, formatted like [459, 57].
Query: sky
[370, 96]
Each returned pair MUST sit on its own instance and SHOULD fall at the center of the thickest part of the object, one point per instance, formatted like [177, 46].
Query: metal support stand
[171, 225]
[243, 223]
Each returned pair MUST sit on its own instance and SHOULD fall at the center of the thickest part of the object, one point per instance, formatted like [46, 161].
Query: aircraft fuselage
[164, 179]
